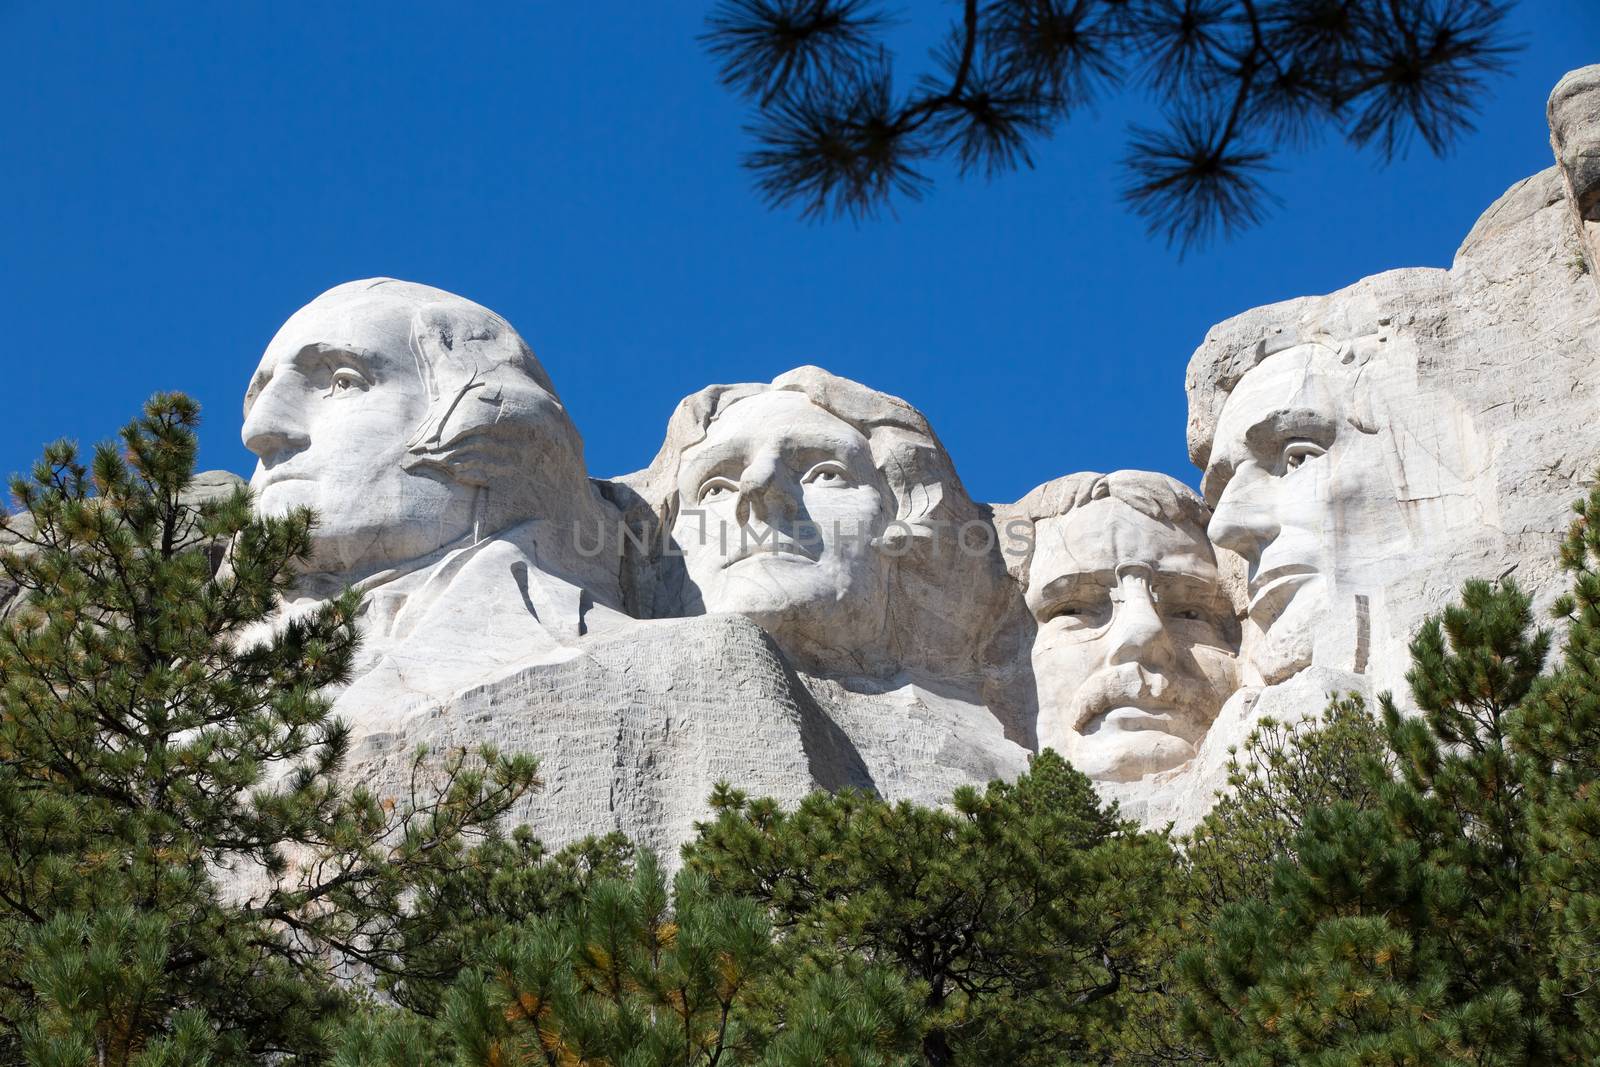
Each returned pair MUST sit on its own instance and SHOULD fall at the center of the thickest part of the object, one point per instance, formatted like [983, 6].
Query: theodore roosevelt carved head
[1136, 642]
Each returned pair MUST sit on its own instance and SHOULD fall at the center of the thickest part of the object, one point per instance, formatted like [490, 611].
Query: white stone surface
[807, 597]
[449, 486]
[1136, 643]
[1574, 112]
[1368, 451]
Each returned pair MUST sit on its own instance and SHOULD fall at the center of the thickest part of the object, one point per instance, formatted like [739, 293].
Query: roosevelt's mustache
[1130, 685]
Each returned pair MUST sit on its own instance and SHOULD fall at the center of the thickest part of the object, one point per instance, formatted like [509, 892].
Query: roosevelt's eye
[716, 489]
[1296, 453]
[827, 473]
[346, 380]
[1076, 614]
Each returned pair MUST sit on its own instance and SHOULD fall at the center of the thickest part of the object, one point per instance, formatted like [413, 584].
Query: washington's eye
[1295, 453]
[1190, 614]
[716, 489]
[346, 380]
[827, 473]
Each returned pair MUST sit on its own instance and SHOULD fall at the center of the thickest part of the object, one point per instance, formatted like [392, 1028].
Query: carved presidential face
[1134, 654]
[329, 414]
[778, 508]
[1303, 493]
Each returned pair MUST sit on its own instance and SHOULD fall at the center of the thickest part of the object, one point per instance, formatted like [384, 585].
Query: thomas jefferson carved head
[409, 418]
[791, 504]
[1135, 649]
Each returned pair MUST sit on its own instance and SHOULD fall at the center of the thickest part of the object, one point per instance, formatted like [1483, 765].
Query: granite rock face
[798, 592]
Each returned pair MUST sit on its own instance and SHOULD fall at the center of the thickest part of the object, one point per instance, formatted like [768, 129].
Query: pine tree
[1235, 81]
[150, 745]
[1415, 930]
[1282, 774]
[632, 973]
[1560, 728]
[1019, 918]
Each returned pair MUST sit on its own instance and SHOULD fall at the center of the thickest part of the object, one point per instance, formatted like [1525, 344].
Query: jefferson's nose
[1244, 522]
[764, 492]
[274, 426]
[1137, 633]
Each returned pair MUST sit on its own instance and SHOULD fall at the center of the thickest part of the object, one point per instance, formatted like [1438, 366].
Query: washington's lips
[1279, 582]
[273, 478]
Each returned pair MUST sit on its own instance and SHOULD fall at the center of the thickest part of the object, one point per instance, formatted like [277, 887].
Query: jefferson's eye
[716, 489]
[1296, 453]
[1190, 614]
[827, 473]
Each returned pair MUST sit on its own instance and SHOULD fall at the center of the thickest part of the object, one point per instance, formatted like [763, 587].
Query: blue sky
[180, 177]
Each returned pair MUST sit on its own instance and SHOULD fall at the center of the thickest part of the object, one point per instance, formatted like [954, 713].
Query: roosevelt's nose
[1244, 520]
[1137, 633]
[273, 426]
[765, 492]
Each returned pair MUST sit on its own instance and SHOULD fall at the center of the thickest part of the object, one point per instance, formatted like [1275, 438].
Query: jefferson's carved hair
[1156, 496]
[915, 466]
[930, 510]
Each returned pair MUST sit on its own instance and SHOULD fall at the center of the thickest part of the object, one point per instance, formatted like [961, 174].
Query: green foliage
[1408, 889]
[1413, 929]
[1234, 80]
[1286, 772]
[157, 732]
[1018, 918]
[456, 913]
[632, 974]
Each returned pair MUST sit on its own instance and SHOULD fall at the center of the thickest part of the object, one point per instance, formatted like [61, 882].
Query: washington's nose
[1242, 522]
[763, 492]
[1137, 633]
[272, 427]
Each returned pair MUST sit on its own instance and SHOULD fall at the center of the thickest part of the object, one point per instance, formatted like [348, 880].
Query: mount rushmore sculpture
[799, 593]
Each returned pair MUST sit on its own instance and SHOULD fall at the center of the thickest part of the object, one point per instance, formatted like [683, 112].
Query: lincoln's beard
[1286, 647]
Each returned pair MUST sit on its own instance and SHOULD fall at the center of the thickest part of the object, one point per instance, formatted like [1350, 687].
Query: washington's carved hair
[493, 420]
[1156, 496]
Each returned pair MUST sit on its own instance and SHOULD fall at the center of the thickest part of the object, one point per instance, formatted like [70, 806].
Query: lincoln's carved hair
[1156, 496]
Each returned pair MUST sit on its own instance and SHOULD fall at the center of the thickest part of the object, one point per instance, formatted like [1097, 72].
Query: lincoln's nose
[1243, 521]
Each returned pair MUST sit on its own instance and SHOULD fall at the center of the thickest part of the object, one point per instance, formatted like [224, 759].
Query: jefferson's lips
[1271, 583]
[779, 549]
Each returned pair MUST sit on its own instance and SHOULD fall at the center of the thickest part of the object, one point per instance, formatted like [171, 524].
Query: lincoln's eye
[1296, 453]
[1186, 613]
[716, 489]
